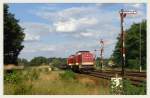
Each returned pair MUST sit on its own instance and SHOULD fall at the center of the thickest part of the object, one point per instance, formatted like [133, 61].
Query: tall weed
[67, 75]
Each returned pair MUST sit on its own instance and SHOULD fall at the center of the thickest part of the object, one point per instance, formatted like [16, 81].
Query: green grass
[130, 89]
[34, 82]
[67, 75]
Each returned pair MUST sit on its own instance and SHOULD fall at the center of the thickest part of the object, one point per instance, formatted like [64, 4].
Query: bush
[18, 82]
[130, 89]
[32, 75]
[14, 77]
[68, 75]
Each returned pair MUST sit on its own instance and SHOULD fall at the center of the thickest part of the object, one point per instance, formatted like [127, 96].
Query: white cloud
[134, 6]
[88, 21]
[137, 5]
[47, 48]
[108, 42]
[99, 4]
[75, 28]
[30, 37]
[86, 34]
[35, 27]
[65, 26]
[72, 25]
[35, 31]
[75, 12]
[65, 14]
[39, 47]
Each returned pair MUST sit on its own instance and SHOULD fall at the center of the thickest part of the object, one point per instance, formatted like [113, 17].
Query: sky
[59, 30]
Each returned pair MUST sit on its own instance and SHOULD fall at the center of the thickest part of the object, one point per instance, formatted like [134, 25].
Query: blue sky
[59, 30]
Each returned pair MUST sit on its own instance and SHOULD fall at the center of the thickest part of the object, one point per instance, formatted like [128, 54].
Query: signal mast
[123, 14]
[101, 53]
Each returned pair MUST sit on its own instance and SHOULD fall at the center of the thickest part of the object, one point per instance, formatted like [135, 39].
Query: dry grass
[100, 86]
[50, 83]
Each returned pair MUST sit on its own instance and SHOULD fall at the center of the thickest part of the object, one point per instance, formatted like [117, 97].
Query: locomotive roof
[72, 55]
[83, 51]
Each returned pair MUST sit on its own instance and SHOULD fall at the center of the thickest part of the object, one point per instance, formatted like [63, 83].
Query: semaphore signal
[123, 14]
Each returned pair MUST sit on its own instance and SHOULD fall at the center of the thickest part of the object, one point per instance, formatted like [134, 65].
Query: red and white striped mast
[101, 53]
[123, 14]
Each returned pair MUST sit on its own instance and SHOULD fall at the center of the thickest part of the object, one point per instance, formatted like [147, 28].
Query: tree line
[38, 61]
[135, 47]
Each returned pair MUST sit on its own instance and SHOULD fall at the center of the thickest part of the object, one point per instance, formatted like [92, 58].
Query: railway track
[135, 77]
[127, 73]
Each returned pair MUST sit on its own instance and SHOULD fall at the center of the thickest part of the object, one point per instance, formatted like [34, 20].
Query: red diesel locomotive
[82, 60]
[71, 60]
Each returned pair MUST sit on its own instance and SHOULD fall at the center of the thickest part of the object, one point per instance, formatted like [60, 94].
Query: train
[81, 60]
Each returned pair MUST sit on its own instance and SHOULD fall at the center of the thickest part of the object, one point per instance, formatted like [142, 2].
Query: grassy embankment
[30, 82]
[44, 82]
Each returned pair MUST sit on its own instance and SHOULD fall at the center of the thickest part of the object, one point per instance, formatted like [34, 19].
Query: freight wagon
[82, 60]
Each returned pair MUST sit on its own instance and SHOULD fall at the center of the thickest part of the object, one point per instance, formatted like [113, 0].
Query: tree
[56, 62]
[117, 52]
[132, 45]
[38, 61]
[23, 62]
[13, 37]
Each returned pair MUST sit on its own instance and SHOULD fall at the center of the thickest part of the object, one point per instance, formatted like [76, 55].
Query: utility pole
[95, 57]
[101, 53]
[122, 16]
[140, 49]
